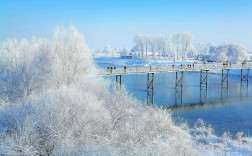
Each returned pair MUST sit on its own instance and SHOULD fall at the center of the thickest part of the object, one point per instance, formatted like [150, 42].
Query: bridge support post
[118, 81]
[224, 83]
[179, 88]
[244, 81]
[244, 77]
[203, 85]
[150, 88]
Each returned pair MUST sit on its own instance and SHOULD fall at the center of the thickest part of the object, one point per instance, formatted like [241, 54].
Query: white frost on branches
[177, 46]
[50, 106]
[233, 53]
[29, 66]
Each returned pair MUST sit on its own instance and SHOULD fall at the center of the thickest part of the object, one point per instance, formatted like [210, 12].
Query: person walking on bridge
[124, 69]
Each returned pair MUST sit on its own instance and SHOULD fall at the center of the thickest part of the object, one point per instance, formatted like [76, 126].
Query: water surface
[225, 110]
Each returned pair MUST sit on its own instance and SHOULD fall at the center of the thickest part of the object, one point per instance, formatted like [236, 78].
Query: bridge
[203, 69]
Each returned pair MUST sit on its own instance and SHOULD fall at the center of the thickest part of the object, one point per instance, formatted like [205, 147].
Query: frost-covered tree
[21, 70]
[147, 41]
[186, 43]
[192, 52]
[218, 53]
[203, 48]
[229, 52]
[168, 45]
[177, 45]
[125, 52]
[71, 57]
[139, 44]
[237, 53]
[221, 56]
[153, 46]
[176, 39]
[143, 43]
[160, 44]
[32, 65]
[72, 112]
[108, 51]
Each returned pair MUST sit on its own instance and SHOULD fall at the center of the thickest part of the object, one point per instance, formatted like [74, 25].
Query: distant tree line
[175, 46]
[178, 47]
[181, 45]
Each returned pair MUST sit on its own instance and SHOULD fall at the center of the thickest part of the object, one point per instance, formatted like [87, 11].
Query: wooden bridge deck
[172, 68]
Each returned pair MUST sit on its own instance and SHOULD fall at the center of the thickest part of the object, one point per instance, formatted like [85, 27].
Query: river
[224, 110]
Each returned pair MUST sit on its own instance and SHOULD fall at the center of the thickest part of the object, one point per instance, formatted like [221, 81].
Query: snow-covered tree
[153, 46]
[221, 56]
[143, 43]
[186, 43]
[71, 57]
[147, 41]
[160, 44]
[125, 52]
[192, 52]
[237, 53]
[176, 39]
[168, 46]
[229, 52]
[139, 44]
[108, 51]
[218, 53]
[177, 45]
[202, 48]
[41, 63]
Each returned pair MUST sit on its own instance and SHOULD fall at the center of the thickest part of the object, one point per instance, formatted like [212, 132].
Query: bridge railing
[173, 68]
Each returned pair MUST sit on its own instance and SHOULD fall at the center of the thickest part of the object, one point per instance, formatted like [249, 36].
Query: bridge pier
[203, 85]
[180, 75]
[150, 88]
[179, 88]
[244, 81]
[244, 77]
[118, 81]
[224, 83]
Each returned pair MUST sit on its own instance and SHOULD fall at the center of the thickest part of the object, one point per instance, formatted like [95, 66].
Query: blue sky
[115, 22]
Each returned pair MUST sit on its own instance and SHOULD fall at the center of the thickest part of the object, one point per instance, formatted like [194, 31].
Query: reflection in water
[150, 89]
[179, 88]
[232, 114]
[195, 106]
[203, 86]
[223, 107]
[223, 100]
[150, 98]
[226, 108]
[243, 91]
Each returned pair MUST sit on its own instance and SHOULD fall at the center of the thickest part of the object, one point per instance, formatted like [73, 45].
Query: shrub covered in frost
[53, 105]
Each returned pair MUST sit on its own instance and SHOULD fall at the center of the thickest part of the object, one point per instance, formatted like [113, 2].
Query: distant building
[126, 57]
[202, 57]
[250, 57]
[126, 54]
